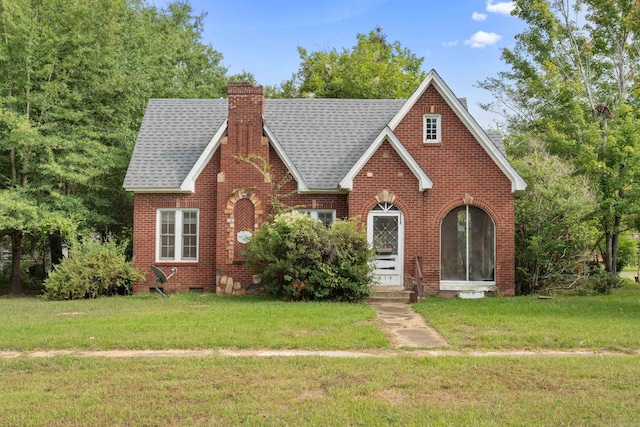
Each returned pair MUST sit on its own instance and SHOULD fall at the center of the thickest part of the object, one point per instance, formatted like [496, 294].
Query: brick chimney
[243, 193]
[246, 107]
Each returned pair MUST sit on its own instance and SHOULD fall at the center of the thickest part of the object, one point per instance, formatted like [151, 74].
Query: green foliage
[297, 258]
[573, 84]
[554, 236]
[600, 283]
[627, 251]
[93, 269]
[373, 69]
[76, 78]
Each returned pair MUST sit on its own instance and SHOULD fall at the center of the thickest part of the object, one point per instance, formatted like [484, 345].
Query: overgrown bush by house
[93, 269]
[297, 258]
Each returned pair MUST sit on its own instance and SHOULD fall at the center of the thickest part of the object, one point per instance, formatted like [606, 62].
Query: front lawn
[186, 321]
[377, 391]
[563, 322]
[310, 391]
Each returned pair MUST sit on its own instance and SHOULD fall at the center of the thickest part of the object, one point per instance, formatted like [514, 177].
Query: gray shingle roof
[496, 138]
[173, 134]
[323, 138]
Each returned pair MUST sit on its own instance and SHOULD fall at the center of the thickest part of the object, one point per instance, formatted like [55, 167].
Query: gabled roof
[173, 135]
[321, 141]
[433, 79]
[424, 183]
[318, 139]
[324, 138]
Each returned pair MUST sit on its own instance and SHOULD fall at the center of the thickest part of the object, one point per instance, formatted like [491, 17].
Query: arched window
[467, 245]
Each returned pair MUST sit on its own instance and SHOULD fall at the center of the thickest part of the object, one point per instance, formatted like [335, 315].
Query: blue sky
[461, 40]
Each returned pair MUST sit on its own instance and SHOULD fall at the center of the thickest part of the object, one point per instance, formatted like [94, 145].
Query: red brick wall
[246, 107]
[387, 171]
[462, 172]
[199, 274]
[458, 166]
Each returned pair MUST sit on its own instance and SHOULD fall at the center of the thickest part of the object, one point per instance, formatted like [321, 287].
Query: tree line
[571, 98]
[76, 77]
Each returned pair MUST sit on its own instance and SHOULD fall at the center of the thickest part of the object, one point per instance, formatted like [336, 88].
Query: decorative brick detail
[257, 214]
[385, 196]
[244, 220]
[461, 170]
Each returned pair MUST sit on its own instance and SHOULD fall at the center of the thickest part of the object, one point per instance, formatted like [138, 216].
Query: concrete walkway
[375, 353]
[406, 328]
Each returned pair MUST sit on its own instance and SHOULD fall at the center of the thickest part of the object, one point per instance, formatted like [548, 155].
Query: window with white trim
[467, 246]
[326, 216]
[432, 125]
[177, 235]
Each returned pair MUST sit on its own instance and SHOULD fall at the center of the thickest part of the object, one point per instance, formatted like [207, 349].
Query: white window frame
[313, 213]
[178, 231]
[438, 119]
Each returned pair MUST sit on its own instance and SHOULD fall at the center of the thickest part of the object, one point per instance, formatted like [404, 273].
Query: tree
[554, 232]
[373, 69]
[574, 83]
[76, 79]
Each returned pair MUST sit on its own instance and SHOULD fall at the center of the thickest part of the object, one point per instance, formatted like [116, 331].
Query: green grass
[563, 322]
[319, 391]
[184, 321]
[399, 390]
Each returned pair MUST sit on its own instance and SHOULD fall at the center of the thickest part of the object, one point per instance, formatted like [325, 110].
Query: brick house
[427, 181]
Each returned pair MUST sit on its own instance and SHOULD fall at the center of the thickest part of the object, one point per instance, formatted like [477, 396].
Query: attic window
[432, 128]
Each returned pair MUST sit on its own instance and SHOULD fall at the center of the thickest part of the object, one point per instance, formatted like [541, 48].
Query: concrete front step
[389, 294]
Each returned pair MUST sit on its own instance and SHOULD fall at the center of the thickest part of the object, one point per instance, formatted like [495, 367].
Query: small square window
[432, 128]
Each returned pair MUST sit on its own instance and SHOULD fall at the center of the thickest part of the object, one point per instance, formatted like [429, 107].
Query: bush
[297, 258]
[600, 282]
[93, 269]
[553, 236]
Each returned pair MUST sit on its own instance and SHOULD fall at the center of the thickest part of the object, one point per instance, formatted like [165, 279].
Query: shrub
[297, 258]
[553, 234]
[93, 269]
[600, 282]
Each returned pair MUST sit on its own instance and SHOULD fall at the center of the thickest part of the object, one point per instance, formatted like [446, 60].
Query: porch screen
[467, 245]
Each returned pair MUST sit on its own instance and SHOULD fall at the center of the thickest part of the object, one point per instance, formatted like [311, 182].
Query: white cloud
[477, 16]
[482, 39]
[503, 7]
[450, 44]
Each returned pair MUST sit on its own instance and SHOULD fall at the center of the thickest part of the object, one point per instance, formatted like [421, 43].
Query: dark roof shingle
[173, 134]
[323, 138]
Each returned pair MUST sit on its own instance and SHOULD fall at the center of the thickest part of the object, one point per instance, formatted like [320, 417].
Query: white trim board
[517, 182]
[189, 183]
[424, 183]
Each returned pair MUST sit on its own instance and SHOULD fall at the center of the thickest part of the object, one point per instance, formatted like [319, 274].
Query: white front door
[385, 231]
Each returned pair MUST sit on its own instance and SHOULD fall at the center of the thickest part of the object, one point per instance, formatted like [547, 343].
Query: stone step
[389, 294]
